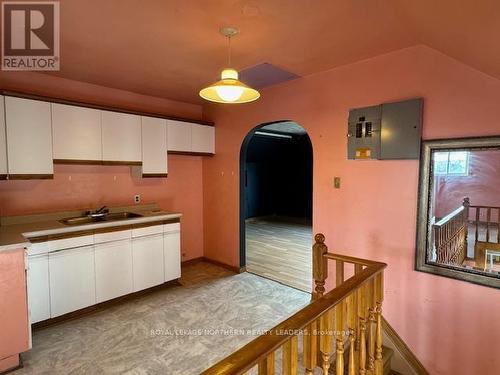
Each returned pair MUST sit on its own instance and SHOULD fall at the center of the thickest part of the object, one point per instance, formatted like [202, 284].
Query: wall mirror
[458, 227]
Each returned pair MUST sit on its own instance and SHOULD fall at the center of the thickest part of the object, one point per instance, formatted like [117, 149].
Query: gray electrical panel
[386, 131]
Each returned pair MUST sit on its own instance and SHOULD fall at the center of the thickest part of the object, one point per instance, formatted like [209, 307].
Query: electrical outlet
[336, 182]
[137, 198]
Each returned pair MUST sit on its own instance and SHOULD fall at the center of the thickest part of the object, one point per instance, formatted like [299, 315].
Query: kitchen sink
[120, 216]
[115, 216]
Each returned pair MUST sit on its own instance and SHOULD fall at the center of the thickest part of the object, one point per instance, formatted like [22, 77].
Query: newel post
[320, 266]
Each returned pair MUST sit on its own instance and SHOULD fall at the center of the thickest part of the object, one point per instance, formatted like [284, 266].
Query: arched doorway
[276, 173]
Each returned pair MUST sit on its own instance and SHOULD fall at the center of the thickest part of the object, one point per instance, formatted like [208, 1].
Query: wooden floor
[280, 249]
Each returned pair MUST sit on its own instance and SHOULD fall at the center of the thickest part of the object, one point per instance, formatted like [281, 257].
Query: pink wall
[452, 326]
[51, 86]
[481, 185]
[84, 186]
[91, 186]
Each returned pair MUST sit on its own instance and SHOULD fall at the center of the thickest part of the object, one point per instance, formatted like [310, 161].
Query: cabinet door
[154, 146]
[172, 251]
[29, 137]
[76, 132]
[179, 136]
[71, 280]
[113, 269]
[203, 139]
[38, 287]
[121, 137]
[3, 141]
[147, 255]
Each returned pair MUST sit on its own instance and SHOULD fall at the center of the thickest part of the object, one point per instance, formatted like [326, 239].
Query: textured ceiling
[171, 48]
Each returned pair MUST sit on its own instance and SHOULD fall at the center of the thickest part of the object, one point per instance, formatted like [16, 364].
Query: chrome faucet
[98, 213]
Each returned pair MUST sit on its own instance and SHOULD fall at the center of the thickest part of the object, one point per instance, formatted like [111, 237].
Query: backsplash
[76, 187]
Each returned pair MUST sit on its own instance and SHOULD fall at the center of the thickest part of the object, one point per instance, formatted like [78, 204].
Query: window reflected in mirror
[464, 209]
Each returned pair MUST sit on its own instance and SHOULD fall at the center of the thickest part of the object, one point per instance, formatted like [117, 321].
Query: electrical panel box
[386, 131]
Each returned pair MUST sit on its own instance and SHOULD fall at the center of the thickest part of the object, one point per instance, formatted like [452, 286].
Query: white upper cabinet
[76, 132]
[29, 137]
[3, 141]
[191, 138]
[179, 136]
[154, 146]
[203, 139]
[121, 137]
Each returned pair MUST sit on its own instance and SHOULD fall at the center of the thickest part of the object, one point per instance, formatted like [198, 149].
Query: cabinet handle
[71, 248]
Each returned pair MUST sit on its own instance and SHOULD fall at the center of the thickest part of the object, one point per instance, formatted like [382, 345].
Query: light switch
[336, 182]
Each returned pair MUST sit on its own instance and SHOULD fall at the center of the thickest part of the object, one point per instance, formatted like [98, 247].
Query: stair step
[387, 354]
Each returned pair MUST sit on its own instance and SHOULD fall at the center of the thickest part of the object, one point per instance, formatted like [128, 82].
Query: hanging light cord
[229, 51]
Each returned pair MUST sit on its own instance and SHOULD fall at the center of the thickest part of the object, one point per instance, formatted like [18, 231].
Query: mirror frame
[424, 196]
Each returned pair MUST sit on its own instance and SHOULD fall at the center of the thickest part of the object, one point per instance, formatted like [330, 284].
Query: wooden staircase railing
[342, 326]
[485, 224]
[450, 236]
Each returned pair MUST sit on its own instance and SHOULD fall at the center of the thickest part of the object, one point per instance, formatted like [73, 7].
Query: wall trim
[214, 262]
[405, 351]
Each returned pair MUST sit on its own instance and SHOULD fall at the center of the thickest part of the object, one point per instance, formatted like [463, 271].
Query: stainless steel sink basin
[120, 216]
[115, 216]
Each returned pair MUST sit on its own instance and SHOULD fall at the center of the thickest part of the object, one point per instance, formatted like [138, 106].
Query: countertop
[17, 234]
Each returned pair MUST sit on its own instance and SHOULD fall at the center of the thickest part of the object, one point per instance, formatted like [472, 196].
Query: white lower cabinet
[72, 279]
[147, 260]
[72, 273]
[38, 287]
[113, 270]
[172, 251]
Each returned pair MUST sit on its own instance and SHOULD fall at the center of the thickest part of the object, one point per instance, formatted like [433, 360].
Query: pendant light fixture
[229, 89]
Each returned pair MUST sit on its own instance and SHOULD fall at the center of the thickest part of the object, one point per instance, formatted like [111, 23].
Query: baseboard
[226, 266]
[234, 269]
[190, 262]
[102, 305]
[405, 351]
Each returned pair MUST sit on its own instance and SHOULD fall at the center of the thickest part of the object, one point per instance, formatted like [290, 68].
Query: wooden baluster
[379, 362]
[339, 339]
[352, 361]
[290, 356]
[310, 348]
[379, 295]
[266, 366]
[364, 303]
[325, 339]
[339, 273]
[357, 269]
[320, 266]
[352, 314]
[371, 326]
[371, 341]
[362, 346]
